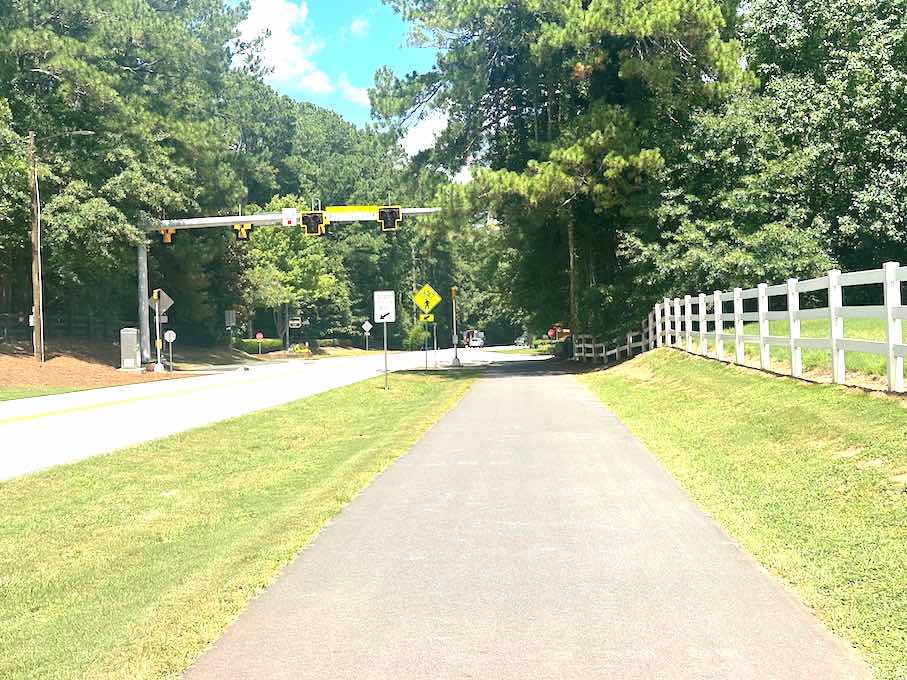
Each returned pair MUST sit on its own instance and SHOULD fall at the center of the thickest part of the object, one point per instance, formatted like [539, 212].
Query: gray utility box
[130, 356]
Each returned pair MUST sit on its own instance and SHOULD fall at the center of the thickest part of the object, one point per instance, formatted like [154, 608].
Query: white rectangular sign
[385, 307]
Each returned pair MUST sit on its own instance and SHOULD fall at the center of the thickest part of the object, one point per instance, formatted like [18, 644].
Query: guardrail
[691, 322]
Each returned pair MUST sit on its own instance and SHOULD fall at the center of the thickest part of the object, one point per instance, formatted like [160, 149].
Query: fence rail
[692, 321]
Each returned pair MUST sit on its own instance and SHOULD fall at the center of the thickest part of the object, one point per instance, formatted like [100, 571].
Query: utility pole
[574, 312]
[37, 274]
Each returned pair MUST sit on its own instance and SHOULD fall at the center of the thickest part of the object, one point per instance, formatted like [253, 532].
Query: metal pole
[385, 354]
[170, 348]
[426, 350]
[157, 340]
[366, 341]
[434, 327]
[36, 274]
[144, 331]
[456, 360]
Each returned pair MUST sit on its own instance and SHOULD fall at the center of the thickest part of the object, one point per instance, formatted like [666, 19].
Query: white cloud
[289, 48]
[357, 95]
[422, 135]
[359, 27]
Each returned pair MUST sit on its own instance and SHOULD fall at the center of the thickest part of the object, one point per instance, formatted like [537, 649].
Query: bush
[334, 342]
[267, 345]
[416, 337]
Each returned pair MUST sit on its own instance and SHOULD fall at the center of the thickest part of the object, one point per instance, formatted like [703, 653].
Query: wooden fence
[693, 321]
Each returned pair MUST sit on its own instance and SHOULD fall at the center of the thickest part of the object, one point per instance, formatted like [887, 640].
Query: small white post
[738, 326]
[765, 359]
[793, 323]
[677, 317]
[836, 323]
[719, 325]
[667, 313]
[893, 327]
[593, 349]
[651, 338]
[629, 342]
[658, 325]
[688, 321]
[703, 324]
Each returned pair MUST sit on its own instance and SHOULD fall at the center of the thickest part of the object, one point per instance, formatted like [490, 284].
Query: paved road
[528, 535]
[44, 431]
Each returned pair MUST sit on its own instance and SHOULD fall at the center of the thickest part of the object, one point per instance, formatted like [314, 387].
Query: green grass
[800, 474]
[129, 565]
[814, 359]
[522, 350]
[8, 392]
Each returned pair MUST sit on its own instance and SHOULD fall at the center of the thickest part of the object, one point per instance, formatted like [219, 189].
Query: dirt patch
[871, 463]
[635, 371]
[67, 371]
[847, 453]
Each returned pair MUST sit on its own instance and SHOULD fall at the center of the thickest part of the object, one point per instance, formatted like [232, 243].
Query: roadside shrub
[416, 337]
[267, 345]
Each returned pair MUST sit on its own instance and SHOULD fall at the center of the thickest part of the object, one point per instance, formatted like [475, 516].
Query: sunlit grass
[813, 359]
[810, 479]
[8, 392]
[129, 565]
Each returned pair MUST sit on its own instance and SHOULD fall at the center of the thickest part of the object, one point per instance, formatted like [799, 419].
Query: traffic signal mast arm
[287, 217]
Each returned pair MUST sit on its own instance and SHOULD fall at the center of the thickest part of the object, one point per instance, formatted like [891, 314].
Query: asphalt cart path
[528, 535]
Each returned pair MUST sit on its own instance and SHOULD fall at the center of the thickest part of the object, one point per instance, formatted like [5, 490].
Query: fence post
[793, 323]
[719, 325]
[836, 324]
[893, 327]
[738, 326]
[765, 357]
[658, 322]
[651, 339]
[667, 312]
[629, 342]
[677, 320]
[688, 321]
[703, 342]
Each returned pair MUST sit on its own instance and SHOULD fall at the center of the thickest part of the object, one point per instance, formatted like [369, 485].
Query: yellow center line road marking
[119, 402]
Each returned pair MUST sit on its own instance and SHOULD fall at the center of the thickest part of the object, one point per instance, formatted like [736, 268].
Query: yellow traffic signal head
[389, 216]
[315, 223]
[242, 230]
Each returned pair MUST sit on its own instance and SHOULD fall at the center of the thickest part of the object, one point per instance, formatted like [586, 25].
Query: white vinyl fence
[685, 323]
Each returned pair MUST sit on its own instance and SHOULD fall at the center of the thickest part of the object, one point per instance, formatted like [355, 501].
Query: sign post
[385, 313]
[161, 302]
[170, 336]
[366, 328]
[427, 299]
[259, 336]
[434, 328]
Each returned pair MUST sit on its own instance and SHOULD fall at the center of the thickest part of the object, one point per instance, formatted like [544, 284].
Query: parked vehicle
[474, 338]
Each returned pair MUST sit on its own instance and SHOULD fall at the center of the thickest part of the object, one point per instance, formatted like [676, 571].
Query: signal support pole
[36, 273]
[144, 330]
[453, 299]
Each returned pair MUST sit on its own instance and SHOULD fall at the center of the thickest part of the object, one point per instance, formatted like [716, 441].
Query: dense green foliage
[620, 152]
[679, 144]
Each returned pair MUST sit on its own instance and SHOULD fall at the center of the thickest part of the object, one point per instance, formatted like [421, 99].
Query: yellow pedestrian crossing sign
[427, 318]
[427, 298]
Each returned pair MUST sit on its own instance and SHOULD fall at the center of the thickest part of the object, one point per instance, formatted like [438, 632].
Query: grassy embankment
[810, 479]
[129, 565]
[816, 360]
[11, 392]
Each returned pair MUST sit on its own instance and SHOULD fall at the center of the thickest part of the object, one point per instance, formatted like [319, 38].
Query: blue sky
[327, 51]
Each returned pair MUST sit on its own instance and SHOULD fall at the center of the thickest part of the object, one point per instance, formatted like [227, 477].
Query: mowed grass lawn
[813, 359]
[8, 392]
[808, 478]
[129, 565]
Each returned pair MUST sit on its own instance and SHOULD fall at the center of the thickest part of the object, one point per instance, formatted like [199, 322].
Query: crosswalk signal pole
[453, 299]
